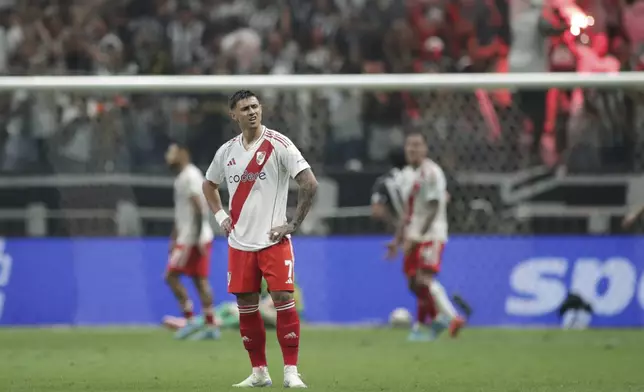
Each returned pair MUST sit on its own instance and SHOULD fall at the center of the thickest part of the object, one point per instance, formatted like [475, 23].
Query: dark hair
[238, 96]
[397, 158]
[417, 133]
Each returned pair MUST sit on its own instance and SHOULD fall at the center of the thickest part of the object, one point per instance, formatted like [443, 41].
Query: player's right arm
[399, 235]
[379, 210]
[214, 176]
[173, 238]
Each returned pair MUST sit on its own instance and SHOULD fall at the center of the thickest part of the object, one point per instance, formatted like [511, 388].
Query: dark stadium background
[539, 185]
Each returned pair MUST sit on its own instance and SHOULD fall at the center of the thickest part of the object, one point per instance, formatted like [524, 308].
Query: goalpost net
[84, 155]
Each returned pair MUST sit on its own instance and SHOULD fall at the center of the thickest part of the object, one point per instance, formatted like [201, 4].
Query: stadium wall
[508, 281]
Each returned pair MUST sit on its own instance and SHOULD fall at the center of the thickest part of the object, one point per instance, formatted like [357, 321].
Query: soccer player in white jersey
[422, 234]
[190, 244]
[257, 166]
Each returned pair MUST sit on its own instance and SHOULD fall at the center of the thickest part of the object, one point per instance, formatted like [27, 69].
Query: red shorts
[426, 256]
[187, 260]
[275, 264]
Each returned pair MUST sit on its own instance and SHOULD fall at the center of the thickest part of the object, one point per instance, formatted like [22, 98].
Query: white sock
[443, 318]
[576, 319]
[261, 370]
[290, 369]
[442, 300]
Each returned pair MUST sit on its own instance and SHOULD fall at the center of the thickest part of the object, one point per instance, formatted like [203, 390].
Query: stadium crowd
[62, 132]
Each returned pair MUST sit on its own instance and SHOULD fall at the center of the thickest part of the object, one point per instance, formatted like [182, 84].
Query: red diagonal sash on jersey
[255, 166]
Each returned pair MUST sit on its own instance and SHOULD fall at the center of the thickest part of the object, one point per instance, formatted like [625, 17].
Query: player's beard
[254, 124]
[174, 166]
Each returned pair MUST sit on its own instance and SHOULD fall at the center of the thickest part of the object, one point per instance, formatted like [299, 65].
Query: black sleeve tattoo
[308, 186]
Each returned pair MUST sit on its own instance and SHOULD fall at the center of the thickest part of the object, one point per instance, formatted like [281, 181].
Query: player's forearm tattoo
[431, 215]
[308, 187]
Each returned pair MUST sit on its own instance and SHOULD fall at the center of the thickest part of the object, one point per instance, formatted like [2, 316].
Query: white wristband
[221, 216]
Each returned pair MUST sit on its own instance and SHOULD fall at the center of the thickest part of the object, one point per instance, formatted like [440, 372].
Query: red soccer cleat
[455, 326]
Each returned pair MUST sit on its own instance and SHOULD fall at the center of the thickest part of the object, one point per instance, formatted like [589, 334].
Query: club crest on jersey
[260, 157]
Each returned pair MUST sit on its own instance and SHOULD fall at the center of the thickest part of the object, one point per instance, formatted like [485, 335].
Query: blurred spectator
[244, 46]
[345, 144]
[532, 23]
[185, 33]
[382, 116]
[112, 132]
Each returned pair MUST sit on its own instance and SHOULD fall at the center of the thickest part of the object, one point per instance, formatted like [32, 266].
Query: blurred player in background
[191, 243]
[422, 234]
[575, 312]
[227, 313]
[387, 202]
[387, 205]
[257, 166]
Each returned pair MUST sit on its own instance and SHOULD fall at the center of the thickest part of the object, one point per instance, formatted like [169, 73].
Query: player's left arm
[298, 168]
[432, 211]
[393, 246]
[435, 189]
[195, 189]
[431, 194]
[307, 188]
[195, 201]
[379, 210]
[173, 239]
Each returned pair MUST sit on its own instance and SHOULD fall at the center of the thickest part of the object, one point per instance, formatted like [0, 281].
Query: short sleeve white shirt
[186, 185]
[429, 184]
[257, 179]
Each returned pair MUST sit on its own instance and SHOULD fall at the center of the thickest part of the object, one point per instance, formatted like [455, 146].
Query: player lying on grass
[422, 234]
[257, 167]
[190, 244]
[227, 313]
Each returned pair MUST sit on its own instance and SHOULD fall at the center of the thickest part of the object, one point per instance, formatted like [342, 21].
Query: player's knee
[424, 278]
[204, 290]
[412, 284]
[202, 285]
[247, 299]
[171, 278]
[281, 296]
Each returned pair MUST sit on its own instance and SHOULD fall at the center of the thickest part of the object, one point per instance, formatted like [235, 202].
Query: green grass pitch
[351, 360]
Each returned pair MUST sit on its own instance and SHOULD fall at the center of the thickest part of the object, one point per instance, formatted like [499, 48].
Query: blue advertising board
[518, 281]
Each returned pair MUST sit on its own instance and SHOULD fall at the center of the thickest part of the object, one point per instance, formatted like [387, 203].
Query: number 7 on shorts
[289, 264]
